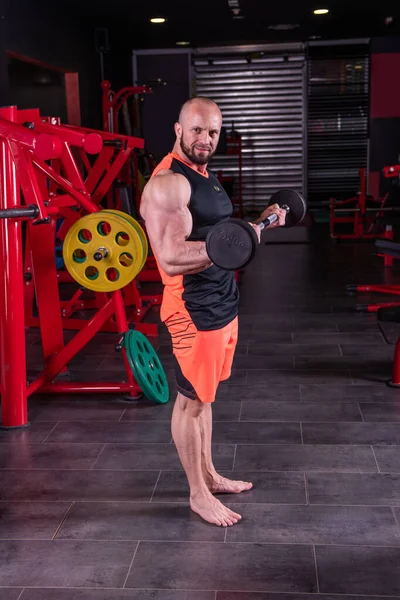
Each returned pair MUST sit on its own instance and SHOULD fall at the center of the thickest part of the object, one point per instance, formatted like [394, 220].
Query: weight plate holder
[146, 366]
[103, 251]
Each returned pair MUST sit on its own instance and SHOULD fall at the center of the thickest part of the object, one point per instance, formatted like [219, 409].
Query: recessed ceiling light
[158, 20]
[182, 43]
[321, 11]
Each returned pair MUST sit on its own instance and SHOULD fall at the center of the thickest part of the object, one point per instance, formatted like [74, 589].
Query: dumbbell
[231, 244]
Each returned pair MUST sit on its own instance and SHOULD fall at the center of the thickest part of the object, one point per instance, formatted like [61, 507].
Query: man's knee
[191, 406]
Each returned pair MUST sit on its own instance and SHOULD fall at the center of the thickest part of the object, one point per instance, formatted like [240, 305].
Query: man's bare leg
[186, 432]
[215, 482]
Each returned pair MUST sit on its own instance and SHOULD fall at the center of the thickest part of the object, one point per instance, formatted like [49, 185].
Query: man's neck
[178, 150]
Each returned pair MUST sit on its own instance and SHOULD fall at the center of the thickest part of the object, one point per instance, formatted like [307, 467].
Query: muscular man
[180, 203]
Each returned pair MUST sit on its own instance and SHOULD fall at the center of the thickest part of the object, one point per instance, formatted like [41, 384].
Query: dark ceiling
[215, 22]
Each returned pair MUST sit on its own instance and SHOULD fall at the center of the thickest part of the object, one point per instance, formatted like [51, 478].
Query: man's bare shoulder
[167, 188]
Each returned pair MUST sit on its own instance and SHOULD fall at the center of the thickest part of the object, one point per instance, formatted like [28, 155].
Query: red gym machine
[40, 182]
[360, 215]
[389, 250]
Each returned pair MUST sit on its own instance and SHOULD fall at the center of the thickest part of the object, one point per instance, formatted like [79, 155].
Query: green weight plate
[146, 366]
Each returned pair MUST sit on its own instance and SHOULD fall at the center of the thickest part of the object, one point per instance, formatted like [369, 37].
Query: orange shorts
[203, 358]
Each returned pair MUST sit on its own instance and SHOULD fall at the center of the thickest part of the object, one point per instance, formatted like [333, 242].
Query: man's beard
[194, 158]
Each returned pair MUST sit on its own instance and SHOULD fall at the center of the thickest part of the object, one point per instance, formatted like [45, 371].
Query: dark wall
[160, 109]
[42, 31]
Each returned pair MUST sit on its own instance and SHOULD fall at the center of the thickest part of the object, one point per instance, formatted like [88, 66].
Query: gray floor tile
[156, 457]
[263, 362]
[299, 411]
[228, 566]
[34, 433]
[356, 570]
[268, 488]
[142, 410]
[112, 433]
[43, 563]
[358, 328]
[381, 412]
[49, 456]
[370, 489]
[272, 337]
[139, 521]
[249, 393]
[71, 410]
[51, 486]
[305, 458]
[339, 338]
[30, 520]
[388, 458]
[351, 433]
[348, 393]
[113, 594]
[298, 376]
[367, 352]
[341, 362]
[10, 594]
[315, 525]
[378, 376]
[256, 433]
[293, 350]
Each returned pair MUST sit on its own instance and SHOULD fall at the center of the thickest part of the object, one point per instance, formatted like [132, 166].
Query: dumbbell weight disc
[231, 244]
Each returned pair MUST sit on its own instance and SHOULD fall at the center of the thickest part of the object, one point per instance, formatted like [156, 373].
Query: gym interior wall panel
[338, 105]
[167, 72]
[261, 96]
[44, 32]
[384, 117]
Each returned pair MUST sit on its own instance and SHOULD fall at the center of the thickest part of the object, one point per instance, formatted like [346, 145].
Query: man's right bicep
[167, 228]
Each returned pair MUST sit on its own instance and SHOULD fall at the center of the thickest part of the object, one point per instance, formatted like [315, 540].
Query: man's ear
[178, 130]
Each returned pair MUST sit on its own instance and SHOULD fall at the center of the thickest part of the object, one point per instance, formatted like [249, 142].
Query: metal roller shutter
[261, 92]
[338, 107]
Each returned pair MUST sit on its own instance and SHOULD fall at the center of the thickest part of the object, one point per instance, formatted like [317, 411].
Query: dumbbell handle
[266, 222]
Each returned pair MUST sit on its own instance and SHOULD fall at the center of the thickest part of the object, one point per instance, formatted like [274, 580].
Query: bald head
[198, 129]
[198, 103]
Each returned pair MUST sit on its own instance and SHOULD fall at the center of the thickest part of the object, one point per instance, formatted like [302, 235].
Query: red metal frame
[23, 167]
[362, 219]
[93, 184]
[112, 103]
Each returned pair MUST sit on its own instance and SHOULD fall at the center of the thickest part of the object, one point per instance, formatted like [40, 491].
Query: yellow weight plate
[138, 228]
[103, 252]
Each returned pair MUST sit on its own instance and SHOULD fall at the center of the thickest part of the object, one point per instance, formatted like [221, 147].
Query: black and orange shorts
[202, 358]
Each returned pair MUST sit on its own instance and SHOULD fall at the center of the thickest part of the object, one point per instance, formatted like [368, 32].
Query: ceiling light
[158, 20]
[321, 11]
[182, 43]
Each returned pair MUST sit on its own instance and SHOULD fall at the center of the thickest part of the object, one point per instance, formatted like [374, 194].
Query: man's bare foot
[222, 485]
[212, 510]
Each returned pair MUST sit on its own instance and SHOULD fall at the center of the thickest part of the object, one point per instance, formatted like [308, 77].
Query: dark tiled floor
[94, 502]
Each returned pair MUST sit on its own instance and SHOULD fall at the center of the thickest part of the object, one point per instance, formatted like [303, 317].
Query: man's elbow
[169, 268]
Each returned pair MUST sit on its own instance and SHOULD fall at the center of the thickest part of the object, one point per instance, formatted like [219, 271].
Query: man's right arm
[169, 223]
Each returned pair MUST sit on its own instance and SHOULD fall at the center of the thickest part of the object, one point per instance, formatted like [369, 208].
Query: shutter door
[338, 107]
[261, 95]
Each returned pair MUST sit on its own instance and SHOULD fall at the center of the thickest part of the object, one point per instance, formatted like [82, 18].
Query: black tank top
[211, 297]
